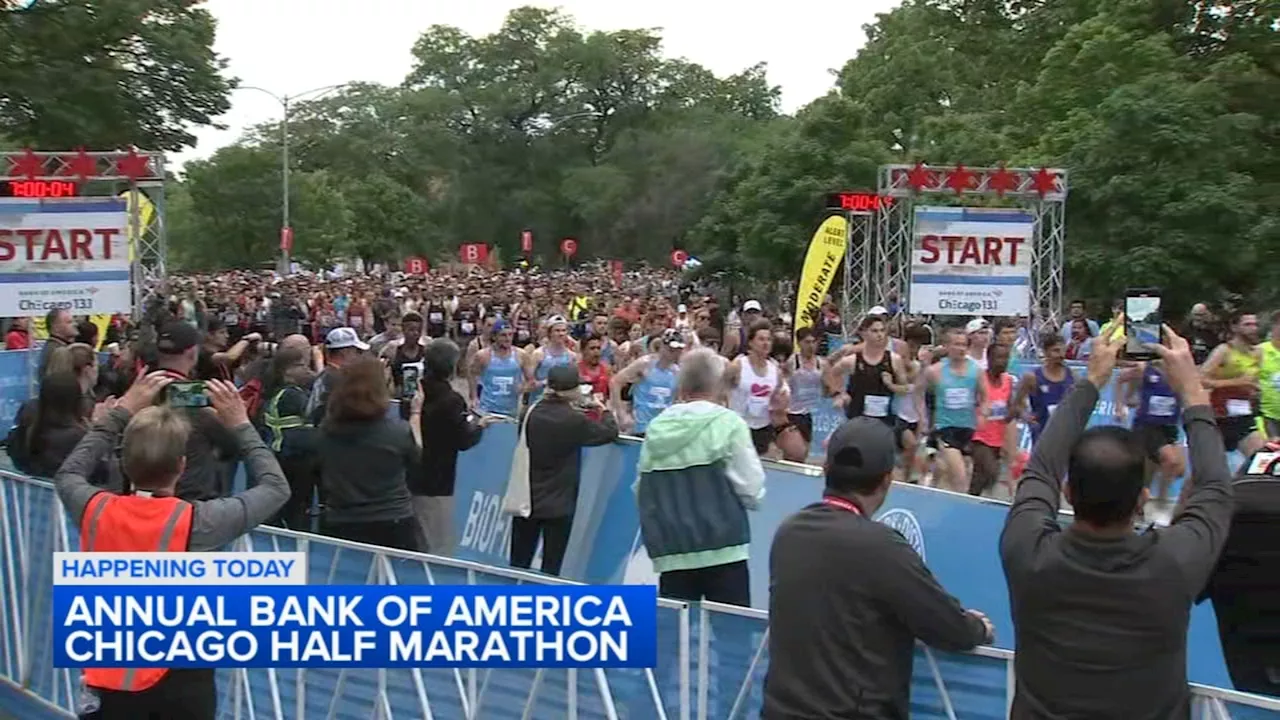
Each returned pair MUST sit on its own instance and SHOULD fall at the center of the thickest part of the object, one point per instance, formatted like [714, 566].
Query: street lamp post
[286, 230]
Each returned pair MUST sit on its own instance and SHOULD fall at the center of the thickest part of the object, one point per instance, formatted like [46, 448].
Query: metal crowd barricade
[710, 666]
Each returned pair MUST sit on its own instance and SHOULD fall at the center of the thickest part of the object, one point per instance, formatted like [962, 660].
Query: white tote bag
[517, 501]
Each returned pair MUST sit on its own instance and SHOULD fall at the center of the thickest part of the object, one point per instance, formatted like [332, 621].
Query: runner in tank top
[909, 407]
[437, 319]
[652, 380]
[554, 354]
[1269, 395]
[865, 381]
[1155, 424]
[594, 371]
[804, 378]
[501, 375]
[989, 439]
[958, 398]
[1046, 386]
[755, 387]
[1232, 374]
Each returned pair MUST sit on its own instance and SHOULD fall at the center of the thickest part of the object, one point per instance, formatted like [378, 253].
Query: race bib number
[468, 328]
[435, 318]
[876, 406]
[1162, 406]
[757, 405]
[502, 385]
[1239, 408]
[999, 411]
[957, 399]
[1275, 382]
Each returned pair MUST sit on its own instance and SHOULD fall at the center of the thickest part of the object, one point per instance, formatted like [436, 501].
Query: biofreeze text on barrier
[260, 623]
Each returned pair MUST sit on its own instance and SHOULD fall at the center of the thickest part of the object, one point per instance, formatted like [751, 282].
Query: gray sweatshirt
[214, 523]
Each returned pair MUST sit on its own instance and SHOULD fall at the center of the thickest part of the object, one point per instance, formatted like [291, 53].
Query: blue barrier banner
[15, 384]
[356, 626]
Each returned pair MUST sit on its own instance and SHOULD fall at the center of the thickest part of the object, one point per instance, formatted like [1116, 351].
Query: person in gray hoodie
[699, 474]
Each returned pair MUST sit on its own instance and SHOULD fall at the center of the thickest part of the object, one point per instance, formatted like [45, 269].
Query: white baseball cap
[750, 305]
[682, 309]
[344, 337]
[878, 310]
[976, 325]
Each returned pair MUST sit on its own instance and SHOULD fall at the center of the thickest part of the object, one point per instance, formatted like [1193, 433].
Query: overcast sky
[291, 46]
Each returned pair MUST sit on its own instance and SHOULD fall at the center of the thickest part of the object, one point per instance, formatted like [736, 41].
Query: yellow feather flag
[826, 252]
[138, 202]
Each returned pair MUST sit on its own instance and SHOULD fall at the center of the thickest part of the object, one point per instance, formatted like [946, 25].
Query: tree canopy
[1165, 112]
[108, 75]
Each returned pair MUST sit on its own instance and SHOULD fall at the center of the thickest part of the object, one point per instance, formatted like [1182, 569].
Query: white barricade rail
[712, 657]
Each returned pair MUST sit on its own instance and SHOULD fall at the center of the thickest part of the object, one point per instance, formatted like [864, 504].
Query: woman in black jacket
[365, 458]
[49, 427]
[442, 427]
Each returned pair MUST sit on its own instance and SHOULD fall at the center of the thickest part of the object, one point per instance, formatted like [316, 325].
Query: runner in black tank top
[868, 393]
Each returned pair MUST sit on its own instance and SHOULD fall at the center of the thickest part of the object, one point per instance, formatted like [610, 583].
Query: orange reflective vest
[133, 523]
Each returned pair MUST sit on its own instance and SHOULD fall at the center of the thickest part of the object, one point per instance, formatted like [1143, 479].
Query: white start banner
[972, 261]
[68, 253]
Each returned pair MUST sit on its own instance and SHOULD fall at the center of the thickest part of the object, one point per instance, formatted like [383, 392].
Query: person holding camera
[205, 474]
[154, 452]
[556, 429]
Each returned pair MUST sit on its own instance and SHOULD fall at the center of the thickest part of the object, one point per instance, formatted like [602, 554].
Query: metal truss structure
[109, 174]
[1043, 191]
[860, 243]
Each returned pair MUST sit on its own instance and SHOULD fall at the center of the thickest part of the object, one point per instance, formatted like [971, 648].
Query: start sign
[972, 261]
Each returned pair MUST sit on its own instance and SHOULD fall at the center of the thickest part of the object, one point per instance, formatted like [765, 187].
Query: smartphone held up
[1143, 320]
[187, 395]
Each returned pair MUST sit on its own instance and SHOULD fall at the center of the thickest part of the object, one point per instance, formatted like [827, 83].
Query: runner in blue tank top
[1156, 425]
[1046, 386]
[959, 398]
[555, 353]
[653, 385]
[500, 370]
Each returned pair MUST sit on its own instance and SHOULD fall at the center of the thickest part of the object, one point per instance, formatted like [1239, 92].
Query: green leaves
[78, 73]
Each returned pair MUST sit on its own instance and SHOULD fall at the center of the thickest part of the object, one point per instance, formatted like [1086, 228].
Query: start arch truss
[104, 174]
[1042, 191]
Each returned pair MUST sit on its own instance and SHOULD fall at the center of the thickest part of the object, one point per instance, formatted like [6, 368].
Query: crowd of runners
[956, 391]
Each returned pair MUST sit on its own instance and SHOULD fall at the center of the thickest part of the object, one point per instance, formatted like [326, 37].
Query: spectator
[153, 447]
[62, 332]
[49, 427]
[841, 640]
[342, 346]
[699, 474]
[365, 459]
[557, 429]
[19, 336]
[216, 360]
[284, 427]
[1245, 586]
[209, 443]
[442, 427]
[1101, 612]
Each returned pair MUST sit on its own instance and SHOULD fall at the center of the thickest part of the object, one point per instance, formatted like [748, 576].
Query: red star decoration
[1002, 180]
[919, 177]
[28, 165]
[1044, 181]
[961, 179]
[133, 165]
[80, 165]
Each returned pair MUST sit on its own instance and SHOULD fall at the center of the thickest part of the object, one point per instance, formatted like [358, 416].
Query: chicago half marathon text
[183, 629]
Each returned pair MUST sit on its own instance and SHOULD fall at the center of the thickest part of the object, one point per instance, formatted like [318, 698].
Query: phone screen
[1142, 323]
[410, 374]
[187, 395]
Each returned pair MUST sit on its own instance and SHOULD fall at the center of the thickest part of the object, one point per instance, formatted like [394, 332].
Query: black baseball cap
[562, 378]
[861, 449]
[176, 337]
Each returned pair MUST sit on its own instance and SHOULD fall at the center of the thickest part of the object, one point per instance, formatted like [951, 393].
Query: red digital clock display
[38, 188]
[858, 201]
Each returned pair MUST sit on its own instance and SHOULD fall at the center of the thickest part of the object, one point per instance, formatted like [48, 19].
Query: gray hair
[700, 372]
[441, 359]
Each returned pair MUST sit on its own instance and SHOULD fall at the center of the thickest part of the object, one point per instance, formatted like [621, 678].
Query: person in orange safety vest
[153, 440]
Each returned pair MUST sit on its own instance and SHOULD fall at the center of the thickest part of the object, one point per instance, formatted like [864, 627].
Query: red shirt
[17, 340]
[598, 378]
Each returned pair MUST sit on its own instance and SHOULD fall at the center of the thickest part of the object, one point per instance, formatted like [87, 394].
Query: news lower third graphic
[254, 610]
